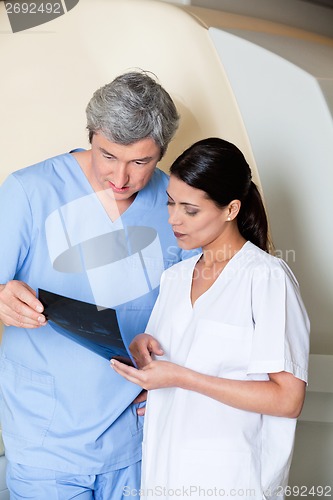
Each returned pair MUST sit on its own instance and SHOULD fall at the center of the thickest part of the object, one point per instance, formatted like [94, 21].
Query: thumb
[155, 347]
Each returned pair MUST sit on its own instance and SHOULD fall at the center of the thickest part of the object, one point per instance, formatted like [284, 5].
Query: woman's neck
[222, 254]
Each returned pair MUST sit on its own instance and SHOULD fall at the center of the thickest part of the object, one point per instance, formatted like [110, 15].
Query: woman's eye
[170, 203]
[191, 212]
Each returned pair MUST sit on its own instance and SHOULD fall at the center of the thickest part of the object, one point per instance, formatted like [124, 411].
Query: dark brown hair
[219, 168]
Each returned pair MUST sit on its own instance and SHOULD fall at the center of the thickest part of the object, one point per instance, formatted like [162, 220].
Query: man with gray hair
[91, 225]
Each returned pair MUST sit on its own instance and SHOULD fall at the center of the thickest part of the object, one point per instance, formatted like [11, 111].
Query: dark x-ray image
[94, 328]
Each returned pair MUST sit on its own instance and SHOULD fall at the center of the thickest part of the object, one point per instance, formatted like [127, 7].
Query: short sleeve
[281, 324]
[15, 227]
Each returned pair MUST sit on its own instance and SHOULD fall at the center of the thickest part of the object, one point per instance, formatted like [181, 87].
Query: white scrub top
[249, 323]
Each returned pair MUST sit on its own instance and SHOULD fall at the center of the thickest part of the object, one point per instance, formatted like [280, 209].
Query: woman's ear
[233, 209]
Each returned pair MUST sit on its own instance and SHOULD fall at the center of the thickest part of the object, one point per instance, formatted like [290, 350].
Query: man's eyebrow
[144, 159]
[102, 150]
[183, 202]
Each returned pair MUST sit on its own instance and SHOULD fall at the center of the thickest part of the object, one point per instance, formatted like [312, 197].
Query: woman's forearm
[282, 395]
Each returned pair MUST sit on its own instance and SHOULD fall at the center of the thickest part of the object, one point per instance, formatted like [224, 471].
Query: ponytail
[252, 219]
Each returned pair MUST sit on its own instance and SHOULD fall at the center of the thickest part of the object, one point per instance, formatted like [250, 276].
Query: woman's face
[196, 220]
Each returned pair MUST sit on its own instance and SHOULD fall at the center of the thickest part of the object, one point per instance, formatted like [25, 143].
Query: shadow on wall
[304, 257]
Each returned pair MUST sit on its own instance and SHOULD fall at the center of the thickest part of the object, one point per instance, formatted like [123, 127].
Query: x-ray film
[95, 328]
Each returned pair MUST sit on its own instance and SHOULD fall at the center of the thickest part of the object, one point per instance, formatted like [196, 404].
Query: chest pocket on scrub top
[220, 349]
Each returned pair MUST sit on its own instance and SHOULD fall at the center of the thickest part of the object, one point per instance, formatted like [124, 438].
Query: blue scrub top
[62, 406]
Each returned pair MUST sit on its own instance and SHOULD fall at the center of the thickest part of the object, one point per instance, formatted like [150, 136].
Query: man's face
[124, 170]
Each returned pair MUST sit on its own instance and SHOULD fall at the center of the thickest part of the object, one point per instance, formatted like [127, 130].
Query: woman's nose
[174, 219]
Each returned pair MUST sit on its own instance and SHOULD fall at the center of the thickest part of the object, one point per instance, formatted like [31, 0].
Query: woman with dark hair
[226, 357]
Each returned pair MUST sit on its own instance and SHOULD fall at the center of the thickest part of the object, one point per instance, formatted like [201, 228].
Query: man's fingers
[19, 306]
[21, 321]
[141, 411]
[141, 397]
[28, 296]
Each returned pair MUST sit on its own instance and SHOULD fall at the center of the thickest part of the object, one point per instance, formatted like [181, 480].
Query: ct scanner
[264, 86]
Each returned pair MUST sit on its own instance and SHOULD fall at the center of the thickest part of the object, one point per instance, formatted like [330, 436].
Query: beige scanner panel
[52, 70]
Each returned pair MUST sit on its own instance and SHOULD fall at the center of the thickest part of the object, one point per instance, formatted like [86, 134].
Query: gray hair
[133, 107]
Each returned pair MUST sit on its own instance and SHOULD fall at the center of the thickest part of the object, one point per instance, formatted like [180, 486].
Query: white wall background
[312, 16]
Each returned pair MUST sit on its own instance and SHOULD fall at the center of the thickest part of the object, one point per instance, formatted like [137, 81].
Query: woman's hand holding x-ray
[143, 347]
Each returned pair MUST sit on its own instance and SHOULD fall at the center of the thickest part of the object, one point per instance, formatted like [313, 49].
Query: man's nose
[120, 175]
